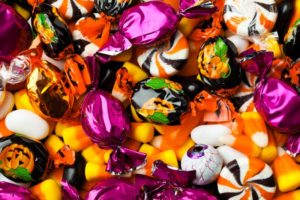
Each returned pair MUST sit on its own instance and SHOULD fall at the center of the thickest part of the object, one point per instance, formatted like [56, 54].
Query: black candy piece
[292, 41]
[54, 33]
[31, 152]
[191, 85]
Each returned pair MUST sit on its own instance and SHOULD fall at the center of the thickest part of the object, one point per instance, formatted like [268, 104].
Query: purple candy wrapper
[177, 177]
[13, 192]
[138, 28]
[144, 187]
[68, 191]
[293, 145]
[274, 99]
[15, 34]
[105, 121]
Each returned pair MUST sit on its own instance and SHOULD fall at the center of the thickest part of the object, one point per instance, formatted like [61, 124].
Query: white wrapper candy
[27, 123]
[207, 162]
[250, 17]
[209, 134]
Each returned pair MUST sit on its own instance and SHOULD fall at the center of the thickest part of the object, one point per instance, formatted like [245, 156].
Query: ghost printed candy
[248, 18]
[159, 101]
[238, 175]
[166, 59]
[205, 160]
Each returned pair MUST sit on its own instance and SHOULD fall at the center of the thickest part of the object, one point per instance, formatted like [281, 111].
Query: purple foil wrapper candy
[113, 188]
[13, 192]
[176, 176]
[293, 144]
[139, 28]
[68, 191]
[277, 101]
[105, 121]
[15, 34]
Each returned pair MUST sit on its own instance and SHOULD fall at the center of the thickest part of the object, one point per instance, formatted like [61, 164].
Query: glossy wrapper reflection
[15, 34]
[274, 99]
[12, 191]
[105, 121]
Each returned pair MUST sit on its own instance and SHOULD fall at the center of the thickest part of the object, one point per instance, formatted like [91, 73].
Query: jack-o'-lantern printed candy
[48, 91]
[249, 18]
[55, 35]
[218, 68]
[22, 160]
[77, 74]
[207, 162]
[72, 9]
[90, 33]
[292, 41]
[166, 59]
[246, 178]
[112, 7]
[159, 100]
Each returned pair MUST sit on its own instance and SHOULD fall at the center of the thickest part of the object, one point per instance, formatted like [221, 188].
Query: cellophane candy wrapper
[15, 33]
[105, 121]
[138, 28]
[12, 191]
[274, 99]
[68, 191]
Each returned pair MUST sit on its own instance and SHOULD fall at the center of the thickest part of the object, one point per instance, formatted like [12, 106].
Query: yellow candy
[23, 12]
[269, 153]
[142, 132]
[94, 154]
[186, 25]
[76, 138]
[294, 195]
[22, 100]
[53, 144]
[107, 155]
[47, 190]
[286, 172]
[95, 171]
[168, 157]
[181, 151]
[60, 126]
[135, 71]
[148, 149]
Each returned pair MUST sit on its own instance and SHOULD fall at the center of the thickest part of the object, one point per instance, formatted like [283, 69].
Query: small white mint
[260, 139]
[27, 124]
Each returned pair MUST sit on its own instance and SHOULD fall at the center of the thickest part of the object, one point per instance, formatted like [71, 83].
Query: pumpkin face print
[23, 160]
[219, 71]
[159, 101]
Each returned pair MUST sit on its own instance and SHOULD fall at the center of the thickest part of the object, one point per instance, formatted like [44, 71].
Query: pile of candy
[162, 99]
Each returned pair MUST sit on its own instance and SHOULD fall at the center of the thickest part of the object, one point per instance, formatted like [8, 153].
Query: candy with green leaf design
[159, 101]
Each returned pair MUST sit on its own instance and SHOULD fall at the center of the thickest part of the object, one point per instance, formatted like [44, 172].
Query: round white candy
[207, 162]
[209, 134]
[27, 124]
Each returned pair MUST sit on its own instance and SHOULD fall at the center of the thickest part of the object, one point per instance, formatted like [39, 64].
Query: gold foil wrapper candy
[49, 91]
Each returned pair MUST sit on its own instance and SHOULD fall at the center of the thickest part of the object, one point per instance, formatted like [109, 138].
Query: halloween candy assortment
[132, 99]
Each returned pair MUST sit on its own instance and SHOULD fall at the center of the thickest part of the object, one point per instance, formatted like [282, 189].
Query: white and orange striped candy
[245, 179]
[250, 17]
[166, 59]
[72, 9]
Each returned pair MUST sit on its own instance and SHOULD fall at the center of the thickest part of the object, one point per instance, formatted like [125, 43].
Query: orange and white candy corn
[255, 128]
[286, 171]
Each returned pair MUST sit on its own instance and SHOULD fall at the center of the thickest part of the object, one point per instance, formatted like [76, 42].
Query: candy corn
[286, 172]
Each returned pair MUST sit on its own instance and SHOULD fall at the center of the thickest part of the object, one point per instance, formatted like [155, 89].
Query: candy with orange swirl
[49, 91]
[218, 68]
[22, 160]
[159, 101]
